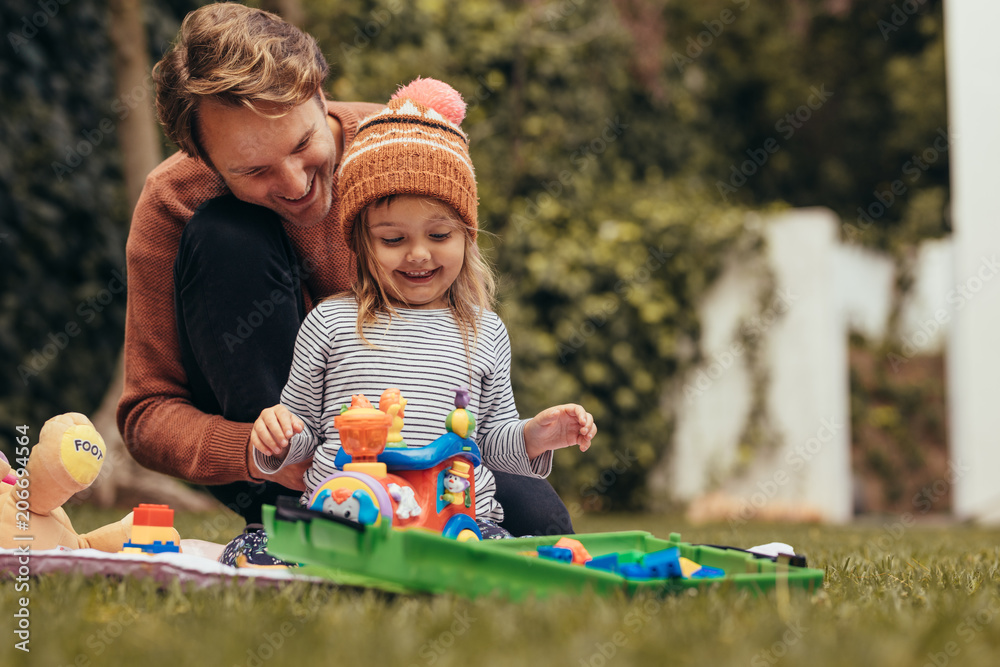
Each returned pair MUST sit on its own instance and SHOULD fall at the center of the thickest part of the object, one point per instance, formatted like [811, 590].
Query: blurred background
[720, 225]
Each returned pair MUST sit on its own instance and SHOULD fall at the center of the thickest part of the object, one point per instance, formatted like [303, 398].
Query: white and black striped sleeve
[500, 433]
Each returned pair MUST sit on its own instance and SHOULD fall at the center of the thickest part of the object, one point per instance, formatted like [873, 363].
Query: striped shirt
[421, 353]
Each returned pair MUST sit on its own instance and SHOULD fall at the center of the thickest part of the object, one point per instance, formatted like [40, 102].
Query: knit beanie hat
[413, 147]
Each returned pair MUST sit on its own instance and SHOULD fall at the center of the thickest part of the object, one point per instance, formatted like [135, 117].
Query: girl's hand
[558, 427]
[273, 430]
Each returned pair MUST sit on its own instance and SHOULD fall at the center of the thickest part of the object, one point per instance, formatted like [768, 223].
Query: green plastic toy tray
[422, 561]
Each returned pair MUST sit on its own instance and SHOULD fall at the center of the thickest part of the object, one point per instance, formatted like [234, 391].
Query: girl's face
[419, 247]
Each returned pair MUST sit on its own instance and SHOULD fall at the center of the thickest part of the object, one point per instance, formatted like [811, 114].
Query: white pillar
[803, 346]
[973, 362]
[808, 395]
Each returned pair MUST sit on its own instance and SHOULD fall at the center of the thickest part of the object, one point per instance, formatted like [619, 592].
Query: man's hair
[236, 56]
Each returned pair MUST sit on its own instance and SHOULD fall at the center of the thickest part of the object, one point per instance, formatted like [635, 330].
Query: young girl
[418, 316]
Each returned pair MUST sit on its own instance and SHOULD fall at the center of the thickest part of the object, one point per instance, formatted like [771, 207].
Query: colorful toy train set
[396, 519]
[430, 487]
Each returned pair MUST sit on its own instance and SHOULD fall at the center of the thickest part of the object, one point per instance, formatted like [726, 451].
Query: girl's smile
[419, 245]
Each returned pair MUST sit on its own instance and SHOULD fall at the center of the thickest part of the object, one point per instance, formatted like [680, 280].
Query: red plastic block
[147, 514]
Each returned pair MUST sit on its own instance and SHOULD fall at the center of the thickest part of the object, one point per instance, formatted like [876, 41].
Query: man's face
[285, 164]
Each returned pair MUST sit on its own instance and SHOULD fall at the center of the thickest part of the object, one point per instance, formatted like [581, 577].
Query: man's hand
[558, 427]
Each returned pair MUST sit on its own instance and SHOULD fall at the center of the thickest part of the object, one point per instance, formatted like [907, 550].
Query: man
[233, 240]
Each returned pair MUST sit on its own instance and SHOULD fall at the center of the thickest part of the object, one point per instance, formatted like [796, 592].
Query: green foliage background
[600, 131]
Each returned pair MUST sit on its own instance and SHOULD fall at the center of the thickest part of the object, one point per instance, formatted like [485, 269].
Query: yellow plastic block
[688, 567]
[150, 534]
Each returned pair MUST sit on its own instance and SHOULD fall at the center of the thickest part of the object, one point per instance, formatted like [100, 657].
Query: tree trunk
[122, 481]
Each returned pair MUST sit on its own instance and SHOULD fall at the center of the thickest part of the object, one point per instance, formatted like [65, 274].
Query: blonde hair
[236, 56]
[471, 295]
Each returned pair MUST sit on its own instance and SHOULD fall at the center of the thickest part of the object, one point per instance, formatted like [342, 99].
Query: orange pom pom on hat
[413, 147]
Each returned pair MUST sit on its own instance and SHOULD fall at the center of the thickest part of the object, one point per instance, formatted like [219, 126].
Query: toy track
[417, 560]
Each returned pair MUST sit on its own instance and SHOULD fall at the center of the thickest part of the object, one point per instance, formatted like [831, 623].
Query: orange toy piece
[580, 553]
[67, 459]
[393, 404]
[360, 401]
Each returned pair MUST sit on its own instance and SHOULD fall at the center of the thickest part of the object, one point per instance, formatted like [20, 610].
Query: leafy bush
[601, 133]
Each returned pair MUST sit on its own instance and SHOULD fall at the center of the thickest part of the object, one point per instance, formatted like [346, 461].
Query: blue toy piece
[156, 547]
[708, 573]
[556, 553]
[607, 562]
[664, 564]
[457, 524]
[636, 571]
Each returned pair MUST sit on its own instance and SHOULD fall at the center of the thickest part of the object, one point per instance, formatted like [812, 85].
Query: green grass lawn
[893, 595]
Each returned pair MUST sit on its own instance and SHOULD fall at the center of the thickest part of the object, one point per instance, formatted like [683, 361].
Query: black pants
[239, 304]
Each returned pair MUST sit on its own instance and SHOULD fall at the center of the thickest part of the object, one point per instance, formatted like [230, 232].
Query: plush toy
[67, 459]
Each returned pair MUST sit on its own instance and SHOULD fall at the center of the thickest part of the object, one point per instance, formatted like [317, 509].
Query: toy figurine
[392, 403]
[456, 483]
[356, 506]
[67, 459]
[460, 421]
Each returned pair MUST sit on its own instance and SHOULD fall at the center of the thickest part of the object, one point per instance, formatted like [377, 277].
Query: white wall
[824, 290]
[973, 355]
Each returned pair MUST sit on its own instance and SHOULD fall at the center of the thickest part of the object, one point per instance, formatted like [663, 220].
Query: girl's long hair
[471, 295]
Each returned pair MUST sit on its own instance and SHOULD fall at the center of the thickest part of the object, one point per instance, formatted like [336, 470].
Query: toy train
[431, 487]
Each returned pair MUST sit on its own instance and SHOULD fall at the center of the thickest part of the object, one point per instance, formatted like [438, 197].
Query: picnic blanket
[196, 565]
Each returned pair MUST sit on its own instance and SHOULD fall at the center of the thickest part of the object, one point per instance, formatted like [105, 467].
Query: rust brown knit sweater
[162, 428]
